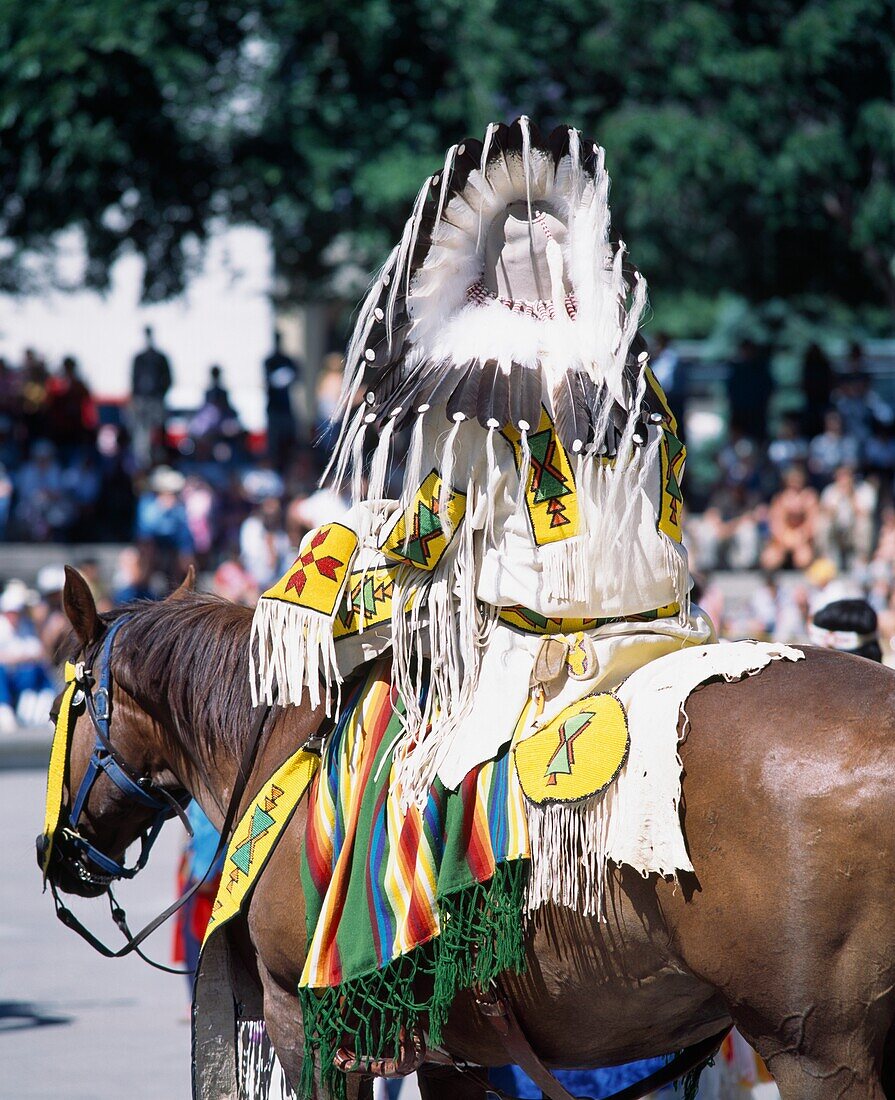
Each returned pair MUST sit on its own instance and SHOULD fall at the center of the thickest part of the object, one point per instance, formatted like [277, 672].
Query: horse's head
[109, 782]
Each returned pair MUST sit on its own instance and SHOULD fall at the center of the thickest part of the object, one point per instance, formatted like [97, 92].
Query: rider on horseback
[534, 553]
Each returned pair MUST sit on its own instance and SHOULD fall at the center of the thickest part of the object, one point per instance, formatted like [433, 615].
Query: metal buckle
[101, 704]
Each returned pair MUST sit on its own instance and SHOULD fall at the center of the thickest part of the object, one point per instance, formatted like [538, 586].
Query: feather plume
[525, 397]
[573, 413]
[493, 405]
[464, 399]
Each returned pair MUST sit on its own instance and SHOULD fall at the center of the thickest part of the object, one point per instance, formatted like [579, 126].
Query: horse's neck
[285, 731]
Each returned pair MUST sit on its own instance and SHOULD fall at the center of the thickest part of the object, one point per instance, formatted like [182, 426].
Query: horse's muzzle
[67, 870]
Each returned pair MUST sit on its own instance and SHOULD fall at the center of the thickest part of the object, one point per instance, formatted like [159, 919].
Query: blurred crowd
[75, 471]
[810, 503]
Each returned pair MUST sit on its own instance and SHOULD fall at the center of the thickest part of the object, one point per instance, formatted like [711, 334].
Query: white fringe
[291, 649]
[566, 566]
[448, 458]
[413, 468]
[456, 631]
[569, 854]
[490, 501]
[524, 471]
[379, 467]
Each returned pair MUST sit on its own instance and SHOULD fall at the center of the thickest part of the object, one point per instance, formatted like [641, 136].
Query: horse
[786, 929]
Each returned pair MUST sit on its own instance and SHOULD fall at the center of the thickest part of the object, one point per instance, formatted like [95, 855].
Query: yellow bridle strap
[257, 833]
[58, 764]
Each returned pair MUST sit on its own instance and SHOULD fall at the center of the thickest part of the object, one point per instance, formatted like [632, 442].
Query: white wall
[225, 317]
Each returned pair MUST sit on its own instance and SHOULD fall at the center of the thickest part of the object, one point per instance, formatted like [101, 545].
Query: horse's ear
[80, 607]
[187, 585]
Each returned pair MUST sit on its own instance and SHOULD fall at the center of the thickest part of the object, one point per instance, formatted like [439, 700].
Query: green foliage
[752, 145]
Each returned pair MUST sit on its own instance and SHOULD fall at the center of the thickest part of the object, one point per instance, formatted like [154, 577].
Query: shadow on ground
[20, 1015]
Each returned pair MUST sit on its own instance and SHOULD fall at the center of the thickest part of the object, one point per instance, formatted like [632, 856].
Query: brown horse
[787, 928]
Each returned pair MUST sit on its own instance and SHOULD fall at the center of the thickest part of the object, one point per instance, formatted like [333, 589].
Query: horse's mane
[190, 656]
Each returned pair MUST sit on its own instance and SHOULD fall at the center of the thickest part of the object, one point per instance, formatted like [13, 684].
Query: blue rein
[104, 759]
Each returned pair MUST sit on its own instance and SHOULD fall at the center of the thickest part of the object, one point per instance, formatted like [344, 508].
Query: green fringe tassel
[481, 936]
[690, 1081]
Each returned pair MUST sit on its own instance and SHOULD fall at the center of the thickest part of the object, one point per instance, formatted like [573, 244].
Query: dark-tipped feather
[573, 417]
[493, 404]
[464, 398]
[525, 397]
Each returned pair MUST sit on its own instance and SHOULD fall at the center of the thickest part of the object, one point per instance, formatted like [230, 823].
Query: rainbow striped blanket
[403, 908]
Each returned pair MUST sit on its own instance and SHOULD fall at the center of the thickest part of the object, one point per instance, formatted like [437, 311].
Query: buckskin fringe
[566, 569]
[481, 936]
[569, 855]
[292, 649]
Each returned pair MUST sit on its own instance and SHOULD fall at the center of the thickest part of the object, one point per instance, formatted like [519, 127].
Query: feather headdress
[429, 340]
[504, 316]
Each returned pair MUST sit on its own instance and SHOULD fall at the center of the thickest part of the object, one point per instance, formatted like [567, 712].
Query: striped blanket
[403, 908]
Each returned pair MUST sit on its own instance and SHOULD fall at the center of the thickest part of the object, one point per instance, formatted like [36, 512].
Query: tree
[114, 120]
[752, 144]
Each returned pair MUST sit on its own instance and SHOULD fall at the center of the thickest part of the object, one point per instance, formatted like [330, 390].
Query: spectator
[49, 616]
[7, 488]
[131, 580]
[198, 865]
[777, 611]
[81, 487]
[42, 509]
[26, 691]
[741, 462]
[11, 419]
[885, 543]
[263, 544]
[162, 528]
[150, 382]
[855, 359]
[280, 374]
[217, 420]
[749, 388]
[845, 518]
[788, 445]
[329, 391]
[70, 413]
[792, 519]
[817, 388]
[860, 407]
[232, 582]
[114, 521]
[729, 532]
[879, 456]
[34, 381]
[831, 449]
[199, 503]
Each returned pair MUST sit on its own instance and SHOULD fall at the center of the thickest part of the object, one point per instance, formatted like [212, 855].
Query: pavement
[73, 1024]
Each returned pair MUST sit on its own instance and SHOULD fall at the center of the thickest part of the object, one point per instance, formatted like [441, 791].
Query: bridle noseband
[97, 698]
